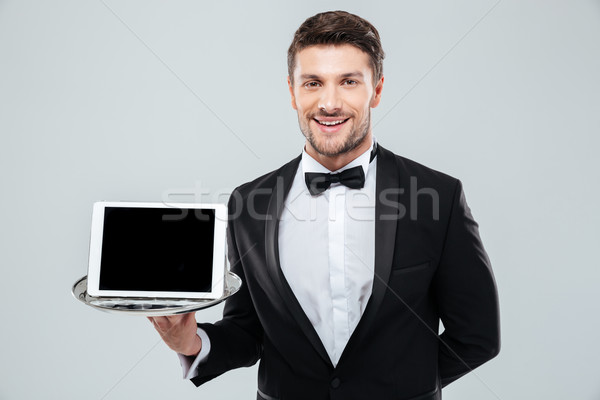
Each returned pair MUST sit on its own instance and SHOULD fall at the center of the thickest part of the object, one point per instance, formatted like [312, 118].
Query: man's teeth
[329, 123]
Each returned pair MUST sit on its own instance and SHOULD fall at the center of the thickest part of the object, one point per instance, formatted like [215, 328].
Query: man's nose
[330, 100]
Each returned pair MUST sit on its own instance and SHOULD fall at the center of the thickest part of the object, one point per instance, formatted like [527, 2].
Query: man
[347, 275]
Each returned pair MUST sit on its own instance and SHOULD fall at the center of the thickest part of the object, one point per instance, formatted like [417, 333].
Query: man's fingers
[177, 331]
[165, 323]
[173, 319]
[161, 323]
[179, 319]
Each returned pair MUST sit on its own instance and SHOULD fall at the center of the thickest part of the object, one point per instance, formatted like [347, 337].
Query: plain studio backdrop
[185, 100]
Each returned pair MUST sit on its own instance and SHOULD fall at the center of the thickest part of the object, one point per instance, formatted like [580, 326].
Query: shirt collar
[309, 164]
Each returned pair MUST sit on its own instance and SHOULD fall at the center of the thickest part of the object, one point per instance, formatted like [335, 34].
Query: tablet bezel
[95, 253]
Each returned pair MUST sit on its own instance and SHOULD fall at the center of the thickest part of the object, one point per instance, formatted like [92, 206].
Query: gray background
[156, 100]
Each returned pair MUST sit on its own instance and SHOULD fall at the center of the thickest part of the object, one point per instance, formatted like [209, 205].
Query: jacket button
[335, 383]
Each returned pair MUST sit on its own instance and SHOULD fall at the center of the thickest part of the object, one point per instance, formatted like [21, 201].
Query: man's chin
[331, 148]
[325, 147]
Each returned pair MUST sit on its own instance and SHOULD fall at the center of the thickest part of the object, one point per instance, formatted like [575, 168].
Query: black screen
[157, 249]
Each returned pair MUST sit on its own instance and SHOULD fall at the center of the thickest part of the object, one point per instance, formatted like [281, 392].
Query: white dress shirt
[327, 255]
[326, 251]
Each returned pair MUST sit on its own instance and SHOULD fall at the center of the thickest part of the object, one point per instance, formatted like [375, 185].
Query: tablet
[157, 250]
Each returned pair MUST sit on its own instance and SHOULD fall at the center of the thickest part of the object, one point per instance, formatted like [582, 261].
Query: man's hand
[179, 333]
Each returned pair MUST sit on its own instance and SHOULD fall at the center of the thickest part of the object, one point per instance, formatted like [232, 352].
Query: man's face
[333, 93]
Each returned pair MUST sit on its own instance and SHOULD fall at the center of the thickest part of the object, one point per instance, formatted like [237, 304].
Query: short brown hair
[338, 27]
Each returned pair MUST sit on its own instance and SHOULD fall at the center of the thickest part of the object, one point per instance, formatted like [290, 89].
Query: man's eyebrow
[309, 76]
[356, 74]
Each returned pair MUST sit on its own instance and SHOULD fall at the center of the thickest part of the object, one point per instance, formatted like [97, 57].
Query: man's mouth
[331, 122]
[330, 125]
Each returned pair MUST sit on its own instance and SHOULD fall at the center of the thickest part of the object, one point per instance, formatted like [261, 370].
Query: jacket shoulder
[426, 176]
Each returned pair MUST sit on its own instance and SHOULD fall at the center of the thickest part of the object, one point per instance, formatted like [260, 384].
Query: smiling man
[350, 255]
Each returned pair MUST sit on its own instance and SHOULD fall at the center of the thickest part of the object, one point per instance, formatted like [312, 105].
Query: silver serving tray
[152, 307]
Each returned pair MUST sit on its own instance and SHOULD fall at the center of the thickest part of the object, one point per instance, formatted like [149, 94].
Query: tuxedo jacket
[430, 265]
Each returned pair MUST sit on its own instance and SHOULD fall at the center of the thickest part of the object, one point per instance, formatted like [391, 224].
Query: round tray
[152, 307]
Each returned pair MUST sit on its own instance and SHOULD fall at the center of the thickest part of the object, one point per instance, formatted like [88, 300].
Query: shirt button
[335, 383]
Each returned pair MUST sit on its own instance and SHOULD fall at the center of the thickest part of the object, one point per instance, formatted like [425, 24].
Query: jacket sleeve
[236, 340]
[467, 296]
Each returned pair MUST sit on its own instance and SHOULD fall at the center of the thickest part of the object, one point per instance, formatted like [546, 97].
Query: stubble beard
[353, 140]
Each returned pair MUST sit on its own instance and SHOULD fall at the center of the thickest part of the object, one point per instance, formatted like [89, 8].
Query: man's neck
[333, 163]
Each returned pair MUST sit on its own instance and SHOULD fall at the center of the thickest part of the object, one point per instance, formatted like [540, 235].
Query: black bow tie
[318, 182]
[354, 178]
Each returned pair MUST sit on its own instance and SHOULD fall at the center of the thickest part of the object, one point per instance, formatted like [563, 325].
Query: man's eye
[350, 82]
[311, 84]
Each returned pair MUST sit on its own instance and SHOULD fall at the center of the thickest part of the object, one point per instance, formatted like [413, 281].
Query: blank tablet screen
[157, 249]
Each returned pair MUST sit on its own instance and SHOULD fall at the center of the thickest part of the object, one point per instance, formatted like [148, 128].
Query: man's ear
[377, 94]
[291, 87]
